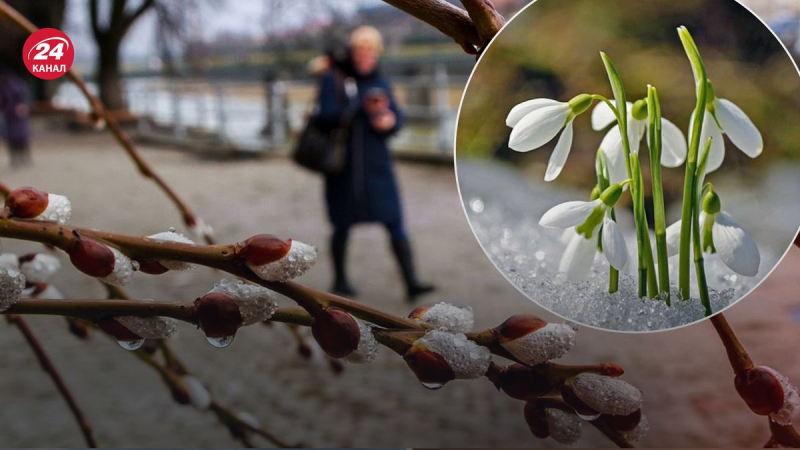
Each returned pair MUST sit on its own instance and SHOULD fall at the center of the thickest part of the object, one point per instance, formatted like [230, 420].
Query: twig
[737, 355]
[52, 371]
[445, 17]
[600, 423]
[487, 20]
[124, 140]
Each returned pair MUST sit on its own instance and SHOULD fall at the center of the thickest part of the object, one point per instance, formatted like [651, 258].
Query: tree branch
[487, 20]
[445, 17]
[737, 355]
[52, 371]
[122, 138]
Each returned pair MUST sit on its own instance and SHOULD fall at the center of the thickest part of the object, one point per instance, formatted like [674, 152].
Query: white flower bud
[299, 260]
[58, 209]
[549, 342]
[50, 293]
[564, 428]
[255, 303]
[12, 282]
[791, 399]
[40, 269]
[123, 269]
[607, 395]
[199, 396]
[467, 359]
[172, 236]
[248, 419]
[448, 317]
[367, 349]
[150, 327]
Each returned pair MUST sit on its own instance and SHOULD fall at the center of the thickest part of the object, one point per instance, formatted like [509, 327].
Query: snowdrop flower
[536, 122]
[724, 117]
[587, 217]
[673, 152]
[720, 234]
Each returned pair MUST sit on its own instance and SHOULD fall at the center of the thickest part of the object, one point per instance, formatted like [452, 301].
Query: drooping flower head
[720, 235]
[536, 122]
[724, 117]
[673, 142]
[588, 218]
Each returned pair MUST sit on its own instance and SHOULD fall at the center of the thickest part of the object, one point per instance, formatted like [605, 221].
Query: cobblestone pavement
[689, 396]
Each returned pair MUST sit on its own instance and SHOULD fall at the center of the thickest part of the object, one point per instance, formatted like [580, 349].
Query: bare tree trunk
[109, 80]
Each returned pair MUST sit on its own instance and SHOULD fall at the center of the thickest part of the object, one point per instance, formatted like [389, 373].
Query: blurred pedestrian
[365, 190]
[15, 111]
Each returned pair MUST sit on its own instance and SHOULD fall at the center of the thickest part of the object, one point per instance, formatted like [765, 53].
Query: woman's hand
[383, 122]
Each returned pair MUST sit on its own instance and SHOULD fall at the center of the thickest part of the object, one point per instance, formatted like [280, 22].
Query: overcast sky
[217, 16]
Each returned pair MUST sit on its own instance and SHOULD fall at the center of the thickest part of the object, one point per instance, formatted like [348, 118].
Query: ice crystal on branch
[466, 359]
[255, 303]
[605, 394]
[12, 282]
[564, 428]
[149, 327]
[300, 258]
[367, 349]
[172, 236]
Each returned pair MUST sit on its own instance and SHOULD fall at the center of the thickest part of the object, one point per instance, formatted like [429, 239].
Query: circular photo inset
[632, 166]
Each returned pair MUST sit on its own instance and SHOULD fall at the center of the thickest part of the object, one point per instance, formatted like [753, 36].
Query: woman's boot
[402, 251]
[340, 284]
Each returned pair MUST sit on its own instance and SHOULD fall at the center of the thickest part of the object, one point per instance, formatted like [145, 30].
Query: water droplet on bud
[131, 345]
[220, 342]
[589, 417]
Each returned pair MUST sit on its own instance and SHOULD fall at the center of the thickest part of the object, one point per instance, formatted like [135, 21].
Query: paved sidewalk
[689, 395]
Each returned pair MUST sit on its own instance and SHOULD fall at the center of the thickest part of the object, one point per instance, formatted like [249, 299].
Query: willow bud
[522, 383]
[605, 395]
[367, 349]
[536, 420]
[39, 267]
[198, 395]
[172, 236]
[533, 340]
[767, 392]
[101, 261]
[217, 315]
[12, 282]
[149, 327]
[275, 259]
[445, 317]
[31, 203]
[564, 428]
[462, 358]
[126, 338]
[336, 332]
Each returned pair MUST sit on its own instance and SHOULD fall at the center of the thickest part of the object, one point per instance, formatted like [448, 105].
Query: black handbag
[321, 147]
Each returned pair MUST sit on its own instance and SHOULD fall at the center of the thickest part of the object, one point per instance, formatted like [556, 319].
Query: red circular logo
[48, 53]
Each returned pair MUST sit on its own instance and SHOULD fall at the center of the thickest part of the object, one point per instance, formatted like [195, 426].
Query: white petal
[717, 152]
[673, 144]
[674, 238]
[578, 258]
[560, 154]
[738, 251]
[615, 156]
[614, 247]
[568, 214]
[636, 129]
[538, 128]
[603, 116]
[523, 109]
[739, 127]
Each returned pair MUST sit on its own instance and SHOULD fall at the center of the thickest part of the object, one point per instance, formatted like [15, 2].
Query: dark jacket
[13, 93]
[365, 190]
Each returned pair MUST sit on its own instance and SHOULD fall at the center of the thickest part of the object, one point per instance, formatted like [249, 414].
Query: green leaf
[619, 92]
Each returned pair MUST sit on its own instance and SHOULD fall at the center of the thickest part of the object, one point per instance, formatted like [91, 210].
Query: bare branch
[445, 17]
[52, 371]
[485, 17]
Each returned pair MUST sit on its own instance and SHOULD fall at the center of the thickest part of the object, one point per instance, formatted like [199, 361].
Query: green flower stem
[603, 183]
[654, 114]
[697, 244]
[647, 270]
[689, 184]
[622, 119]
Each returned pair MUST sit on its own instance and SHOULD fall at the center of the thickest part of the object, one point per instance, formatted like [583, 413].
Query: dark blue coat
[13, 94]
[365, 190]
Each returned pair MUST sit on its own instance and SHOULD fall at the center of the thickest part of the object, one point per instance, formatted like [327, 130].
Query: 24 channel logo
[48, 54]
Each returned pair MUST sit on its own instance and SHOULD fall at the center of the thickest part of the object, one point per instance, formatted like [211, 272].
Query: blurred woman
[365, 190]
[15, 110]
